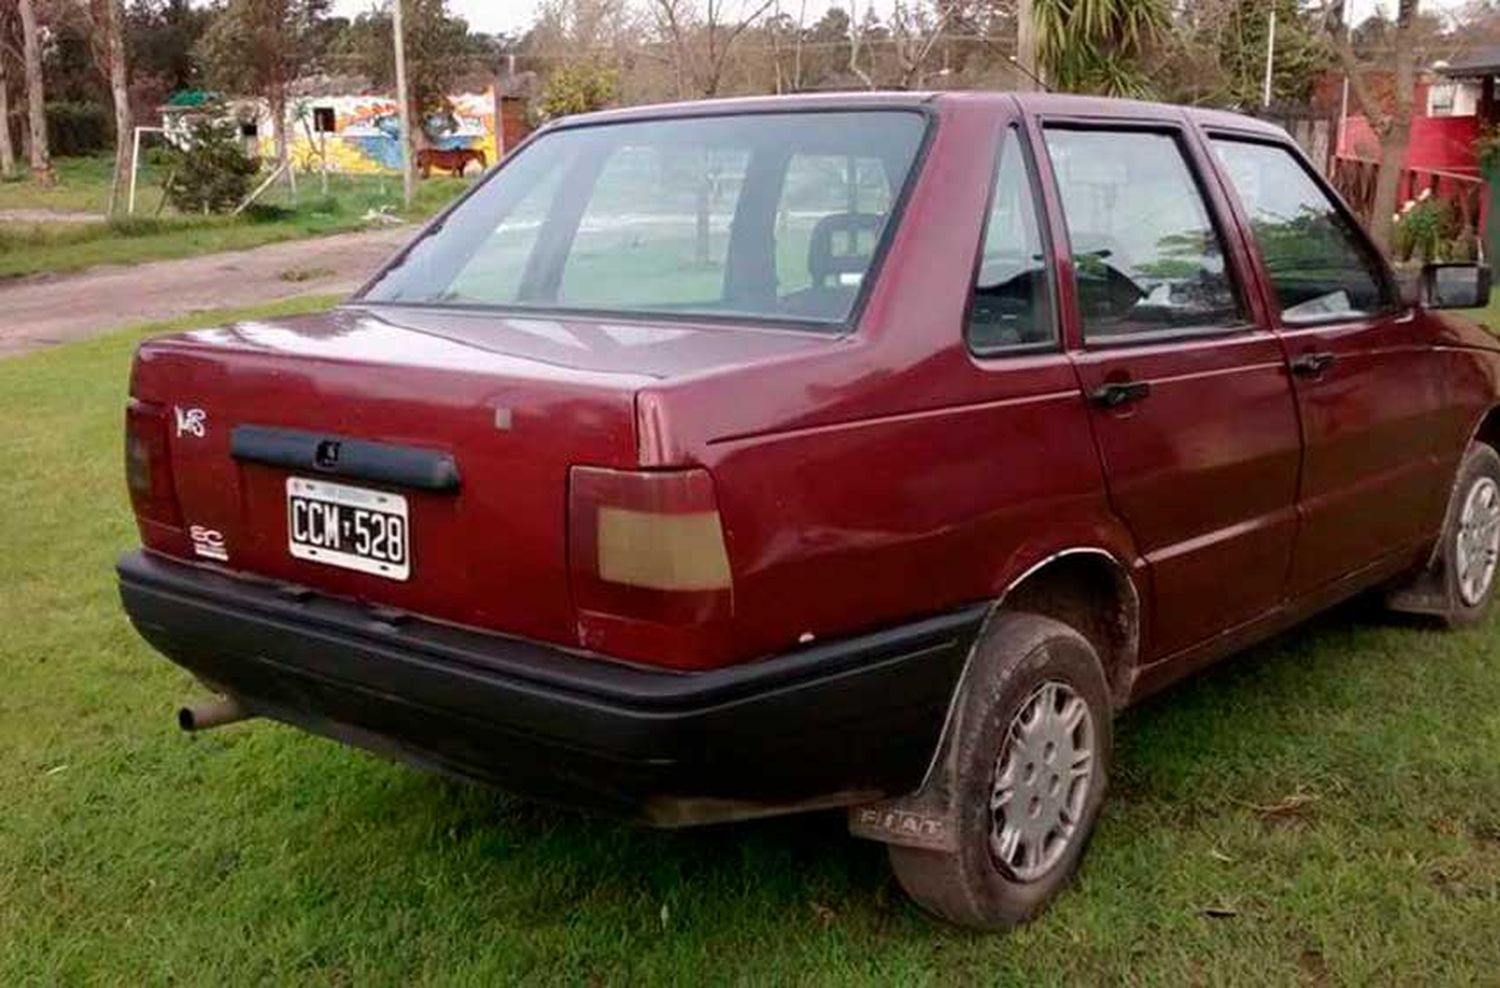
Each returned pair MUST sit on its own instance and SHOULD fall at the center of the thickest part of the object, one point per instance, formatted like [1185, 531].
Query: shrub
[209, 172]
[76, 129]
[577, 87]
[265, 212]
[1427, 229]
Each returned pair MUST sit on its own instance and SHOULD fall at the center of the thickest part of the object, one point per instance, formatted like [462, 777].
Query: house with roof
[340, 123]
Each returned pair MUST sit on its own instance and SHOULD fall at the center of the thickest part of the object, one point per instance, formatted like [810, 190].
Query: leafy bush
[577, 87]
[325, 206]
[209, 172]
[1427, 229]
[76, 129]
[265, 212]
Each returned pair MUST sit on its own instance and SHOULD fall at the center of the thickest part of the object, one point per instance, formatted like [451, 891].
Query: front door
[1367, 378]
[1191, 406]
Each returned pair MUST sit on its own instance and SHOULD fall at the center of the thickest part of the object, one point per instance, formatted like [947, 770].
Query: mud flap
[1425, 594]
[923, 819]
[906, 821]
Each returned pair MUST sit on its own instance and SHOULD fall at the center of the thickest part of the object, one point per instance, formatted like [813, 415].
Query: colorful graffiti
[365, 129]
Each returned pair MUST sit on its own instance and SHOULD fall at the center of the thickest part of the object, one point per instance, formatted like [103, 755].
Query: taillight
[647, 545]
[148, 464]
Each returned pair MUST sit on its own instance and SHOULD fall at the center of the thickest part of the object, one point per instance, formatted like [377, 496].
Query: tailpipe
[214, 712]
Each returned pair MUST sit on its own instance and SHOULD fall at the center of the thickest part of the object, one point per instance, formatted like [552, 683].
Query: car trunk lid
[389, 403]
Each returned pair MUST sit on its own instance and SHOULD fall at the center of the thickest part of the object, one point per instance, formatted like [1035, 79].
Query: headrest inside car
[863, 229]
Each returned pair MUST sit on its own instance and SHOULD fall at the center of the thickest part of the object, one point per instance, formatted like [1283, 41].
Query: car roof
[1062, 104]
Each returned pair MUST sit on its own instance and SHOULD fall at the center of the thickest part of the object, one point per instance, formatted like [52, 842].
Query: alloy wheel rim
[1478, 542]
[1042, 780]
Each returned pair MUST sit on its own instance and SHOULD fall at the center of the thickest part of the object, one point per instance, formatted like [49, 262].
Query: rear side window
[1320, 266]
[764, 216]
[1012, 294]
[1146, 254]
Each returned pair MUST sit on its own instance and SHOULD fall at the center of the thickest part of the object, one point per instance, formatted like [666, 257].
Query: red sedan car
[867, 451]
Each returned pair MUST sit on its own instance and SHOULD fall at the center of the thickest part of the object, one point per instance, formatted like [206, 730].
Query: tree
[439, 48]
[36, 98]
[161, 37]
[1390, 123]
[1096, 46]
[577, 87]
[701, 41]
[915, 32]
[1218, 53]
[107, 34]
[259, 47]
[210, 172]
[7, 51]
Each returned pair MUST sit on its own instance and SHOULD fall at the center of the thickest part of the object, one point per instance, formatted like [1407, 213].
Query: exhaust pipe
[215, 712]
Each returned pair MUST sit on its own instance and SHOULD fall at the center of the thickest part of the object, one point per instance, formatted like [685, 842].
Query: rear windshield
[774, 216]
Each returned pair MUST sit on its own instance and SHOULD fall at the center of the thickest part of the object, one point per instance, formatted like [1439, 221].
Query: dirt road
[46, 310]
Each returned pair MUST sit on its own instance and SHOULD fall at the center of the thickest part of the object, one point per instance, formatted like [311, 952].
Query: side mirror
[1455, 286]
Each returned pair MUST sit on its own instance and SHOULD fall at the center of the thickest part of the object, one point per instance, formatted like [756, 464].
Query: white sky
[514, 15]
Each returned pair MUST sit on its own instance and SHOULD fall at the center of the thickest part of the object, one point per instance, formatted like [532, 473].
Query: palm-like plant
[1093, 45]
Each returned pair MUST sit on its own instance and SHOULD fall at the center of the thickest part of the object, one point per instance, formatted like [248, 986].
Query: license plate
[351, 527]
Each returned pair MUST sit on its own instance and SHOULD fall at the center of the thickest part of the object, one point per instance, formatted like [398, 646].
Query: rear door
[1190, 402]
[1368, 381]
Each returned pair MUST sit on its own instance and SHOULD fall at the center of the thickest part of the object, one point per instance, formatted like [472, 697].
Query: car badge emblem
[191, 422]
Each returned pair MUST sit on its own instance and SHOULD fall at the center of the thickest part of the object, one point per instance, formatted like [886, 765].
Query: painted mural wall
[364, 138]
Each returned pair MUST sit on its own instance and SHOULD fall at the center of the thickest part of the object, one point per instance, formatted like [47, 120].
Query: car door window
[1012, 296]
[1319, 264]
[1146, 254]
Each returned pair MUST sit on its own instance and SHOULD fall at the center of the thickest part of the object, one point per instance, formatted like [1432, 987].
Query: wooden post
[1265, 99]
[1026, 45]
[407, 177]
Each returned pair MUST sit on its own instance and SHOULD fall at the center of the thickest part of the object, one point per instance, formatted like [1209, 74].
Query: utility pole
[408, 178]
[1270, 57]
[1026, 45]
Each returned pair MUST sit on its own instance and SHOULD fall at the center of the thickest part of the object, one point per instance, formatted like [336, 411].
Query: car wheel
[1031, 761]
[1470, 546]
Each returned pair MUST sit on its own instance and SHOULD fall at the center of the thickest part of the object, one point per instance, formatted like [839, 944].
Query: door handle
[1117, 393]
[1312, 364]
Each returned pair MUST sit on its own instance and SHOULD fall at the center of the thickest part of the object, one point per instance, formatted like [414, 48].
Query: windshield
[775, 216]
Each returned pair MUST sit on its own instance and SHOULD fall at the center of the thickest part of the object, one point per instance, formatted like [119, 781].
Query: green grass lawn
[83, 185]
[1334, 795]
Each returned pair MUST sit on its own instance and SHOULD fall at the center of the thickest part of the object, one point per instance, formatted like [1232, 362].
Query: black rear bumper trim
[859, 715]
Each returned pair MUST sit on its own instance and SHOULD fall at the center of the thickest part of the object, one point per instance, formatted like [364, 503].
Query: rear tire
[1031, 763]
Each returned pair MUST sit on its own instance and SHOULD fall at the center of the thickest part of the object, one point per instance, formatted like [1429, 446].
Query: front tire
[1470, 546]
[1031, 763]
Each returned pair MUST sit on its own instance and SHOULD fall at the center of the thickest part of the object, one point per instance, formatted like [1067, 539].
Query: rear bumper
[846, 722]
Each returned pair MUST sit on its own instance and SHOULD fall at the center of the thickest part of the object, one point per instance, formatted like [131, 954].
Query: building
[334, 121]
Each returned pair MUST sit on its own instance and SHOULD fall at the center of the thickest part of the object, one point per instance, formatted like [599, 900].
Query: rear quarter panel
[893, 475]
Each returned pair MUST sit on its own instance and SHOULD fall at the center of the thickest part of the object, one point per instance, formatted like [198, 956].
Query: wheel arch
[1487, 431]
[1086, 587]
[1090, 590]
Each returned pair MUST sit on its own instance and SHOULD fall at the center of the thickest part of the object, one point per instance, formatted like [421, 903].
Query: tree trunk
[1397, 131]
[7, 149]
[1388, 183]
[36, 101]
[1026, 78]
[277, 100]
[112, 22]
